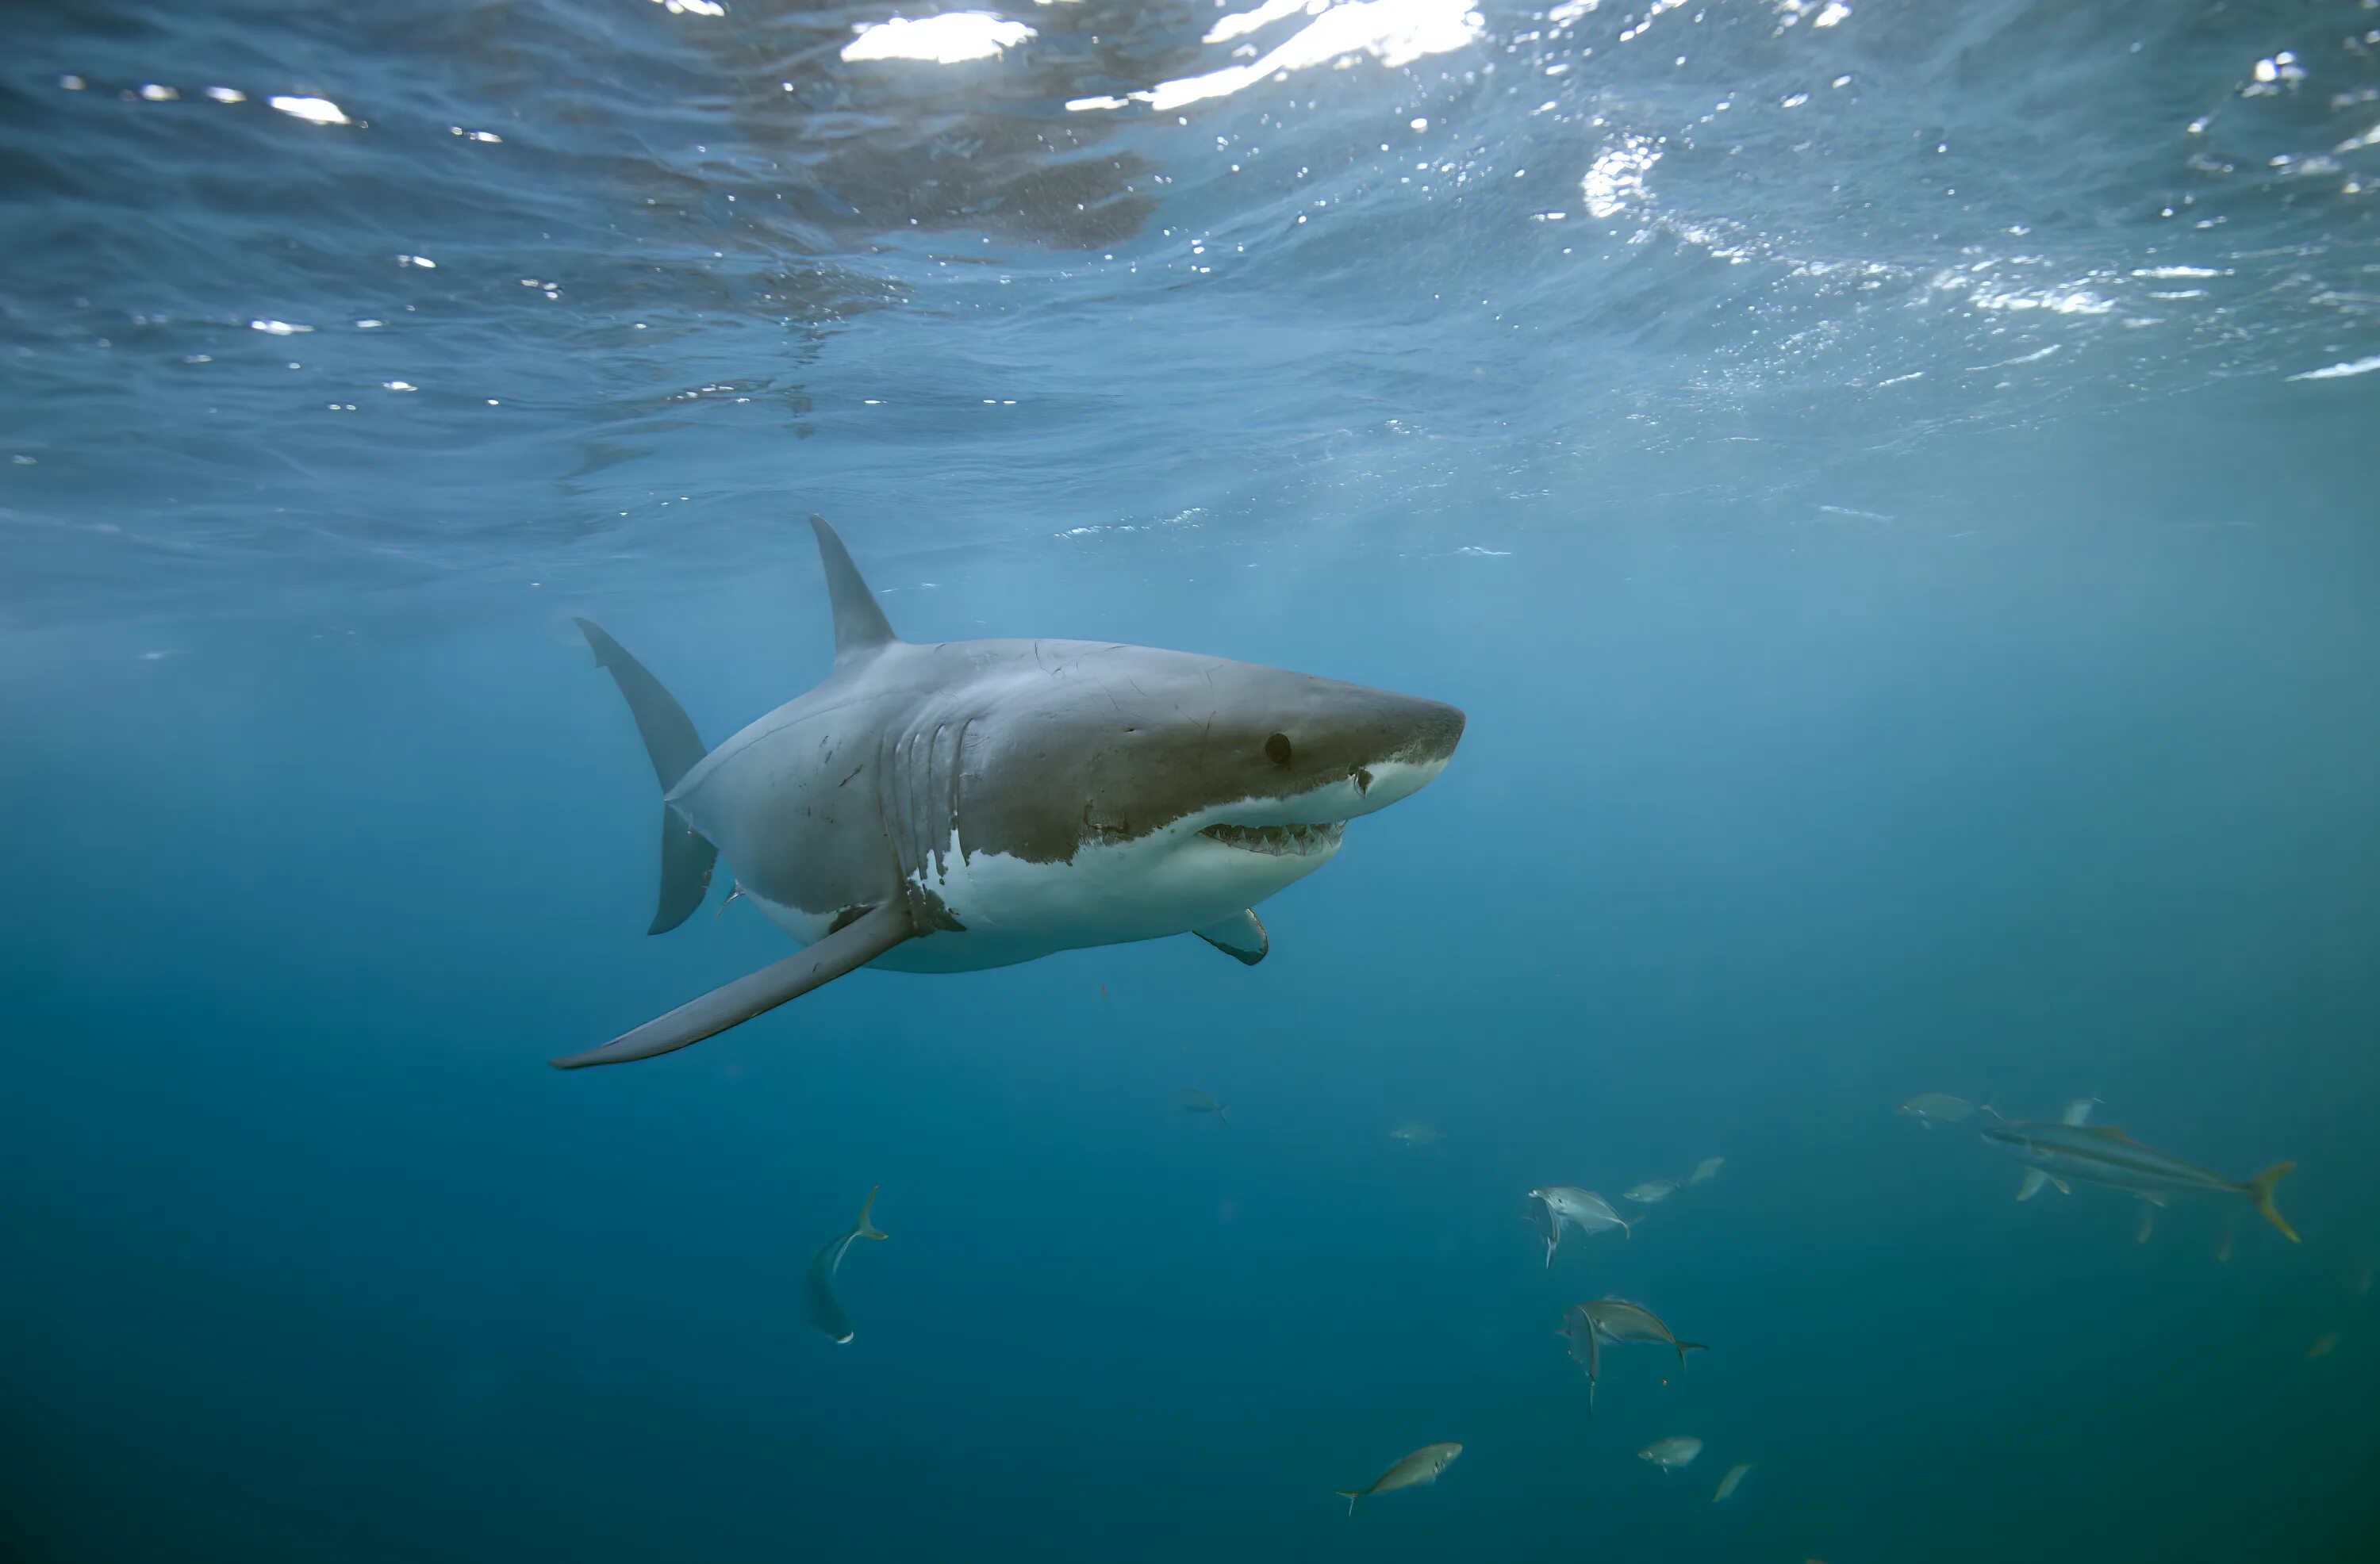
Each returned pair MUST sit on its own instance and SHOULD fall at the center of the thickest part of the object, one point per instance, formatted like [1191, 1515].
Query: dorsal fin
[859, 626]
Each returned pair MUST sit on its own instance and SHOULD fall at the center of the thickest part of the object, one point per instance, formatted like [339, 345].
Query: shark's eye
[1277, 749]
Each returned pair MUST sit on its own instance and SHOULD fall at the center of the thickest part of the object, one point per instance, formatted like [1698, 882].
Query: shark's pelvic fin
[687, 862]
[853, 945]
[1241, 937]
[860, 627]
[674, 749]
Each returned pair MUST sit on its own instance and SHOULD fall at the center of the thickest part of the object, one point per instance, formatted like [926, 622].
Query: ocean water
[1892, 484]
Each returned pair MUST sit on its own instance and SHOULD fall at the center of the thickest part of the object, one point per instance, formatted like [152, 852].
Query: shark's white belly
[1014, 909]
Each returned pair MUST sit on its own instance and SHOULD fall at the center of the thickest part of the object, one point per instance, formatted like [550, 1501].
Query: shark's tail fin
[675, 748]
[2260, 1189]
[1685, 1347]
[866, 1228]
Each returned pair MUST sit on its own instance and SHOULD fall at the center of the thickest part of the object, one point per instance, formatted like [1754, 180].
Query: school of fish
[2057, 1154]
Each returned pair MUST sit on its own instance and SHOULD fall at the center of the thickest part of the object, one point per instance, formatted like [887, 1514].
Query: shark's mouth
[1280, 841]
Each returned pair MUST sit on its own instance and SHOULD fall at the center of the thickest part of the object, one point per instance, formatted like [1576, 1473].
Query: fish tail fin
[1351, 1496]
[1223, 1114]
[1985, 1106]
[673, 747]
[1685, 1347]
[866, 1228]
[2260, 1189]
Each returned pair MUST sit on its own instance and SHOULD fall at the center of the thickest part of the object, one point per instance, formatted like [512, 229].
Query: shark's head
[1201, 781]
[2016, 1139]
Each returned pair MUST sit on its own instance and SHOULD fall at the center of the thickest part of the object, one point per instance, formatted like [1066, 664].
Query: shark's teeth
[1282, 841]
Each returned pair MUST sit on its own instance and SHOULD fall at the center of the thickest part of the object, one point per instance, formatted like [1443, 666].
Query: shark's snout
[1415, 748]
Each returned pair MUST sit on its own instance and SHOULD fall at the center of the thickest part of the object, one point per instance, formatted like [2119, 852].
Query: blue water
[1904, 535]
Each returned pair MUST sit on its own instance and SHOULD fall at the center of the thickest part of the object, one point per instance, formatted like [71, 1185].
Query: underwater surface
[1892, 485]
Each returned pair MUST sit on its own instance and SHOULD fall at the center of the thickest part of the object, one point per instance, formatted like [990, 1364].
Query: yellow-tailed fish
[1414, 1471]
[1195, 1101]
[817, 1288]
[1930, 1108]
[2102, 1154]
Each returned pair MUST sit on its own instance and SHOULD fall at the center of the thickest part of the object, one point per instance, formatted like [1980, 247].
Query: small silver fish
[1671, 1453]
[817, 1287]
[1556, 1206]
[1652, 1192]
[1616, 1319]
[1195, 1101]
[1586, 1325]
[2323, 1345]
[1414, 1471]
[1930, 1108]
[1705, 1171]
[2102, 1154]
[1547, 1225]
[1727, 1484]
[1417, 1134]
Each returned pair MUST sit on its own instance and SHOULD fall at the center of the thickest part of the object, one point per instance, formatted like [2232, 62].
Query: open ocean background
[1891, 482]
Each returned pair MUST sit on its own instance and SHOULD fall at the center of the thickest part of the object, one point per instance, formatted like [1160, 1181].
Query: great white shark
[975, 803]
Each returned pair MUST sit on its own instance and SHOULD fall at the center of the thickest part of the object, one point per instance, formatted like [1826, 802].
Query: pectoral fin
[855, 945]
[2035, 1182]
[1241, 937]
